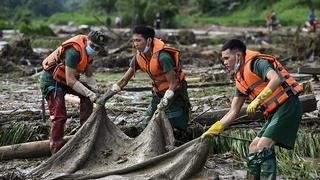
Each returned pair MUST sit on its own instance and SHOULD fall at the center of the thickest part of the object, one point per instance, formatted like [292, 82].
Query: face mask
[146, 49]
[90, 51]
[237, 66]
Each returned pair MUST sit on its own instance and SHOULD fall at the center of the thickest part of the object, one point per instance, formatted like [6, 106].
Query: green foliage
[146, 11]
[212, 91]
[77, 18]
[45, 43]
[292, 164]
[130, 9]
[20, 132]
[193, 12]
[167, 9]
[23, 16]
[293, 12]
[44, 7]
[7, 8]
[4, 25]
[41, 29]
[213, 7]
[107, 6]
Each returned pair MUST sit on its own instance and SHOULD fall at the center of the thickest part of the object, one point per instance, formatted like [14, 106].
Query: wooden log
[309, 70]
[308, 102]
[195, 85]
[27, 150]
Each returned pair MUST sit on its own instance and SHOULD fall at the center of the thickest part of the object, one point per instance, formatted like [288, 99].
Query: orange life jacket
[251, 84]
[53, 60]
[152, 66]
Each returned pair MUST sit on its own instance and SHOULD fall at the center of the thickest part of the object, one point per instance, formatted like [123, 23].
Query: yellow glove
[264, 94]
[215, 129]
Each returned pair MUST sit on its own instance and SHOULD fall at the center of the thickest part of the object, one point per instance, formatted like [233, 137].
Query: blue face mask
[90, 51]
[237, 66]
[146, 49]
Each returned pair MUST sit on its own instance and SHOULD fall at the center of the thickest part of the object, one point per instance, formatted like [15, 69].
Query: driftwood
[27, 150]
[314, 71]
[198, 85]
[309, 70]
[124, 46]
[309, 104]
[109, 29]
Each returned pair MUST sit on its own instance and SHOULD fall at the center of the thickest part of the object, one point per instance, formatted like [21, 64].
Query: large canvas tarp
[101, 150]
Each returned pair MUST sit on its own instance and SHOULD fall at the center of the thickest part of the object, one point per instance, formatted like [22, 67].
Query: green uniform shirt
[70, 58]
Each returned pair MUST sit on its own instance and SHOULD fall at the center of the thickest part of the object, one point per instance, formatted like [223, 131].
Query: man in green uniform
[60, 76]
[162, 64]
[273, 91]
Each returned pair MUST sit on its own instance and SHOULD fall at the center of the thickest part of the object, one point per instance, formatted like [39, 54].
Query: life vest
[251, 84]
[53, 60]
[152, 66]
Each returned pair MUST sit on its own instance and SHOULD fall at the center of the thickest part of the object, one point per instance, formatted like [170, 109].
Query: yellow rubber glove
[264, 94]
[215, 129]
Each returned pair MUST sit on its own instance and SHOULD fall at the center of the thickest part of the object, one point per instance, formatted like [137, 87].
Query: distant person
[108, 21]
[61, 75]
[271, 21]
[312, 18]
[136, 21]
[118, 21]
[157, 21]
[272, 90]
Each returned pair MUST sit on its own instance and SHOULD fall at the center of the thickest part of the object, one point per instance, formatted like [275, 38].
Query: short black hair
[145, 31]
[234, 44]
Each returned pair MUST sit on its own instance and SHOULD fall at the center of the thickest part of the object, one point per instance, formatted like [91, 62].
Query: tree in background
[106, 6]
[7, 8]
[129, 10]
[44, 7]
[146, 11]
[167, 9]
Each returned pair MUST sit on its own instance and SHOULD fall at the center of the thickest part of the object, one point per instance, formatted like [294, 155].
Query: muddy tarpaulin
[101, 150]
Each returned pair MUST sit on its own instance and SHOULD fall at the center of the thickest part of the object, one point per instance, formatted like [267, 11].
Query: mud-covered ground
[21, 101]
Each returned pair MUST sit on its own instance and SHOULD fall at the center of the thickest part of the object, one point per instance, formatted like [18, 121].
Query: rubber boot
[56, 137]
[269, 165]
[86, 107]
[58, 116]
[253, 172]
[262, 165]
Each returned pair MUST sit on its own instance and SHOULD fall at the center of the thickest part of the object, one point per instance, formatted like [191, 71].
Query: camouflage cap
[98, 38]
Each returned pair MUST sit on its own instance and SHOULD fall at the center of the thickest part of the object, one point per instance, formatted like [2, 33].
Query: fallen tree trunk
[27, 150]
[308, 102]
[196, 85]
